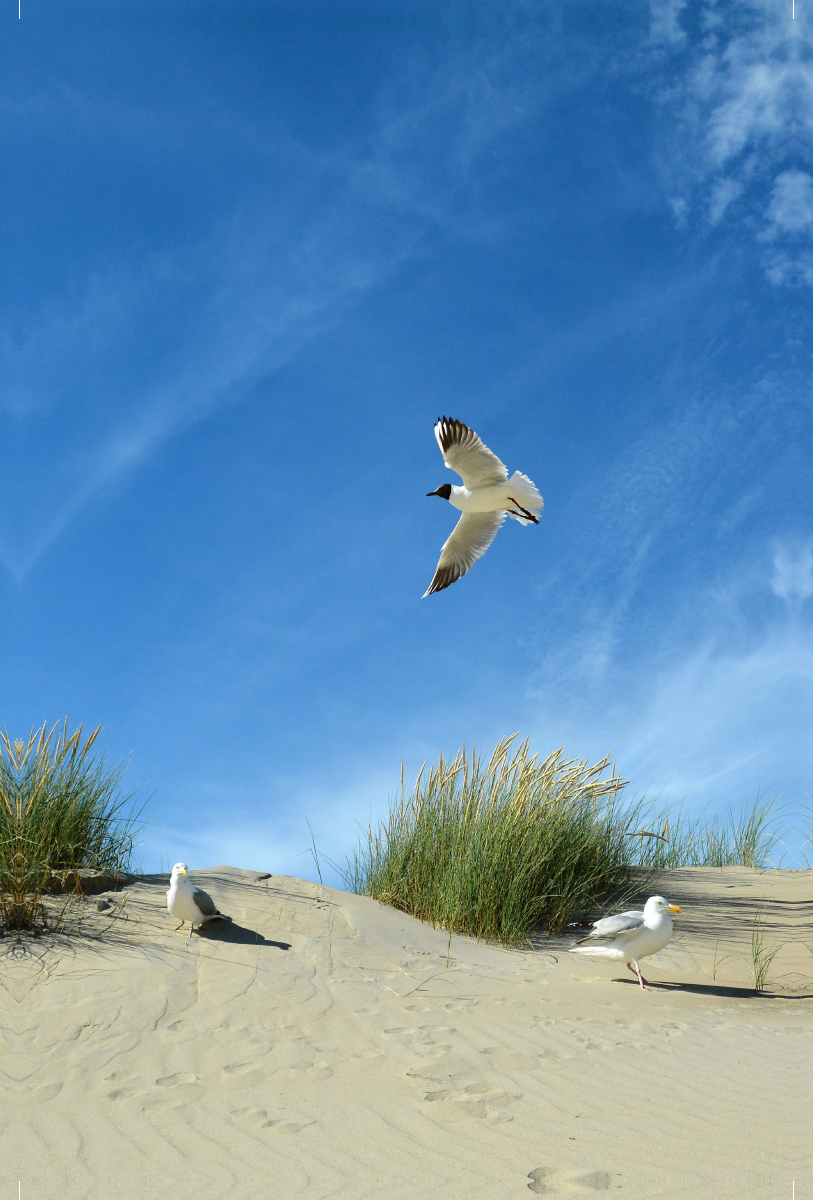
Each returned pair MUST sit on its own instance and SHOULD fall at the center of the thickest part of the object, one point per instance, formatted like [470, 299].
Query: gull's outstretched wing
[620, 926]
[205, 903]
[463, 452]
[471, 537]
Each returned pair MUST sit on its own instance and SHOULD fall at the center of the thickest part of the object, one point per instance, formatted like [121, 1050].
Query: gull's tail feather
[598, 951]
[526, 493]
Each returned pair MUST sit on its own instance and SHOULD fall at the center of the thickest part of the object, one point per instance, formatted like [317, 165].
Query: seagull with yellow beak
[188, 902]
[631, 936]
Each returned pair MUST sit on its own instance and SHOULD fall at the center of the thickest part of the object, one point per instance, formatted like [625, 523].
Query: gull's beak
[436, 492]
[672, 907]
[184, 872]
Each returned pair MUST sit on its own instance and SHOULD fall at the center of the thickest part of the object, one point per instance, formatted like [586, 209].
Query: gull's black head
[444, 491]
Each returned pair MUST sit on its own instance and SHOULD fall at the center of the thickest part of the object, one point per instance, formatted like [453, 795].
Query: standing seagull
[188, 902]
[630, 936]
[486, 496]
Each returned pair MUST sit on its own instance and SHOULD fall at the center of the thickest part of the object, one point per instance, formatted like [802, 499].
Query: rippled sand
[322, 1045]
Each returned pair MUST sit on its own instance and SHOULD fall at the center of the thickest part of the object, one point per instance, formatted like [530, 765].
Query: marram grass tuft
[60, 810]
[494, 850]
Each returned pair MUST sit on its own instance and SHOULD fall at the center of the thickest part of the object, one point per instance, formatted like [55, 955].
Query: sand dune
[322, 1045]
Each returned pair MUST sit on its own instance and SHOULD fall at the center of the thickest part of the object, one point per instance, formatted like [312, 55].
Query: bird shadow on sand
[716, 989]
[236, 935]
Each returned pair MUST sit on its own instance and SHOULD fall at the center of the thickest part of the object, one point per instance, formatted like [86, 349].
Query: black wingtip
[453, 432]
[443, 578]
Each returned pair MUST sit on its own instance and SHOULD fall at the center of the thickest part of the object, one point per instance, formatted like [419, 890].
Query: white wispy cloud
[707, 724]
[710, 708]
[723, 193]
[738, 123]
[664, 21]
[790, 209]
[793, 574]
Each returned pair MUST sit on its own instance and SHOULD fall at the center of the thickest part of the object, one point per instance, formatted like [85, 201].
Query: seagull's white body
[187, 902]
[485, 498]
[630, 936]
[499, 498]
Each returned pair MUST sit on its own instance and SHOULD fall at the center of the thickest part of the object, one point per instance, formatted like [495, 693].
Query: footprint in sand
[456, 1006]
[312, 1070]
[176, 1090]
[243, 1074]
[259, 1117]
[506, 1061]
[180, 1032]
[127, 1085]
[479, 1101]
[551, 1181]
[289, 1125]
[420, 1033]
[250, 1114]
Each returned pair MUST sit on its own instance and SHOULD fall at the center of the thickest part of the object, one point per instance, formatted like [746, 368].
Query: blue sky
[252, 250]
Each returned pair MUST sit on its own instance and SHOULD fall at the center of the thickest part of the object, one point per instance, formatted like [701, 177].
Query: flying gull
[486, 496]
[630, 936]
[188, 902]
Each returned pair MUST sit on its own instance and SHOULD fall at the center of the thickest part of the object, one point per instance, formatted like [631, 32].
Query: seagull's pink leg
[636, 970]
[177, 927]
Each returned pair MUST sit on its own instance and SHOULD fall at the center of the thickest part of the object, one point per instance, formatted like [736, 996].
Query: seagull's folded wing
[463, 452]
[471, 537]
[205, 903]
[620, 927]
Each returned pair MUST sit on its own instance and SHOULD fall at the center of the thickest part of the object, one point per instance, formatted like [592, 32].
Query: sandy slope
[325, 1046]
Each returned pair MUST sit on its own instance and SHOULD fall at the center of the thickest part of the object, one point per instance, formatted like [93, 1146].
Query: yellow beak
[672, 907]
[184, 872]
